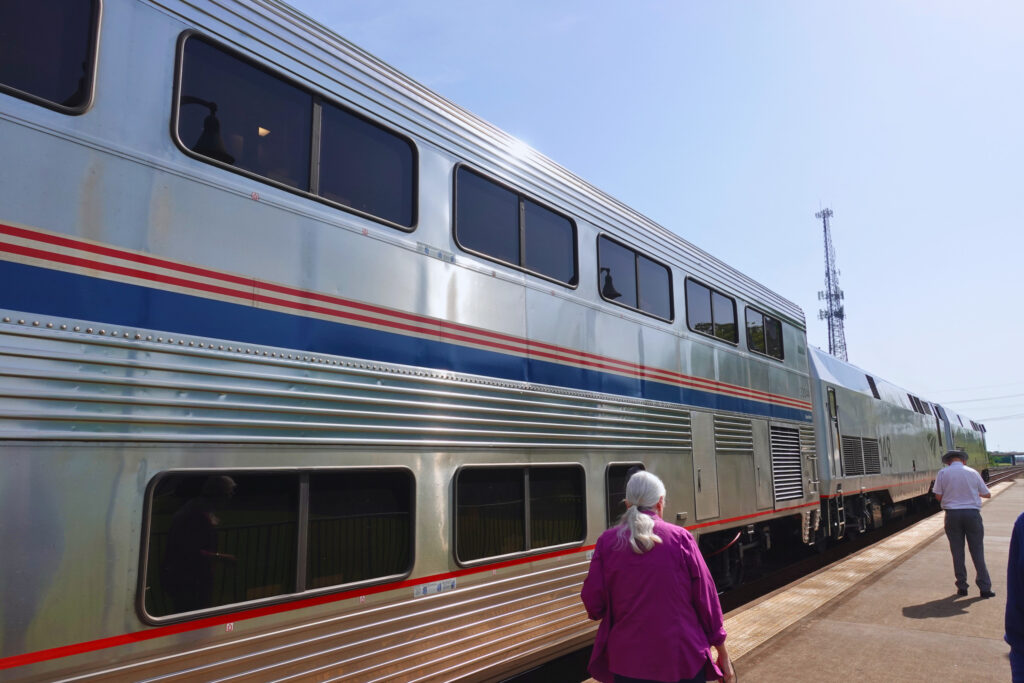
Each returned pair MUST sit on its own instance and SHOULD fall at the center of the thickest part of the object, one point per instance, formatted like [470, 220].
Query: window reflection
[490, 513]
[723, 311]
[617, 272]
[46, 49]
[698, 307]
[217, 539]
[360, 526]
[556, 506]
[755, 331]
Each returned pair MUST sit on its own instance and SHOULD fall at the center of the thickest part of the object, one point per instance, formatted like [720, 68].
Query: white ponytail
[643, 491]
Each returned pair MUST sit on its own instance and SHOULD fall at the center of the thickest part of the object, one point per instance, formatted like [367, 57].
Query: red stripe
[421, 325]
[751, 516]
[184, 627]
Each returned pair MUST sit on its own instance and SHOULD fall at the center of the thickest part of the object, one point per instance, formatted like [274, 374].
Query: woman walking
[652, 592]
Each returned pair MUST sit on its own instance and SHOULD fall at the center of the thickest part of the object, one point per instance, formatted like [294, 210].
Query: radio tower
[832, 296]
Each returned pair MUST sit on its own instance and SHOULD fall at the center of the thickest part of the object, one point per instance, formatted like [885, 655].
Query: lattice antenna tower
[832, 296]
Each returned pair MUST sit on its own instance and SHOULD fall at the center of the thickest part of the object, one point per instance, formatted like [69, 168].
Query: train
[307, 373]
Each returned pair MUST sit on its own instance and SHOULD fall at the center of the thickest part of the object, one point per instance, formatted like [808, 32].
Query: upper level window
[502, 224]
[710, 312]
[629, 278]
[366, 167]
[220, 538]
[48, 51]
[508, 510]
[237, 113]
[764, 334]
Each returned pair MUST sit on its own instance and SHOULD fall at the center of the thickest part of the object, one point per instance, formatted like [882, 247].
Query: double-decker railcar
[309, 373]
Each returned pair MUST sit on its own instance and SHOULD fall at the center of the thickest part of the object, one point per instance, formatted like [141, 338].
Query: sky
[732, 124]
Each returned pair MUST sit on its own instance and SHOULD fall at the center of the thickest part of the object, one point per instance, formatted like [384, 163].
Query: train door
[705, 468]
[833, 431]
[762, 466]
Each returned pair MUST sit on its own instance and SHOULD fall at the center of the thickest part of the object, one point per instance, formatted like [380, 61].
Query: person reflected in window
[657, 603]
[192, 557]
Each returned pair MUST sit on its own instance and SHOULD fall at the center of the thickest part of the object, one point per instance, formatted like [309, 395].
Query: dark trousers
[699, 678]
[1017, 665]
[961, 525]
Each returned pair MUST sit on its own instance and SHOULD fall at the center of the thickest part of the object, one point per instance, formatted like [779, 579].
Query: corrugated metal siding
[733, 435]
[61, 385]
[787, 476]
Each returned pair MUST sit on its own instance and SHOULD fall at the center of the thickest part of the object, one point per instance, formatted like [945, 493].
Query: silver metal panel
[734, 453]
[705, 466]
[763, 471]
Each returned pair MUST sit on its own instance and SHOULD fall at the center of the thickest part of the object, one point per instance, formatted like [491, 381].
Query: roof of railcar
[315, 54]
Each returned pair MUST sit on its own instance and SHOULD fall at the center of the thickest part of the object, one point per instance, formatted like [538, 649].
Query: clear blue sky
[731, 124]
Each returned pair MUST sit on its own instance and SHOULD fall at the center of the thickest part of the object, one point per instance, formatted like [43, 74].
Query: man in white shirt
[960, 490]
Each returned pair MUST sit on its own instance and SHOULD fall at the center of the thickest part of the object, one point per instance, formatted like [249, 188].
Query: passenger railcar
[308, 372]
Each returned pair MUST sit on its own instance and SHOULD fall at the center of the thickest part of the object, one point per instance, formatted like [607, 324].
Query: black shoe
[987, 594]
[961, 591]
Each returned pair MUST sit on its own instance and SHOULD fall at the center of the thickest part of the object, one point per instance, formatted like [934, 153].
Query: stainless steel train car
[881, 445]
[308, 373]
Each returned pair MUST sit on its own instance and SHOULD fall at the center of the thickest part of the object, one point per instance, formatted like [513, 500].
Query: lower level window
[616, 477]
[507, 510]
[220, 538]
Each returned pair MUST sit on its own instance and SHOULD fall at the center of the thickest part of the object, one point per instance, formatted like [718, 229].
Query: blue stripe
[67, 295]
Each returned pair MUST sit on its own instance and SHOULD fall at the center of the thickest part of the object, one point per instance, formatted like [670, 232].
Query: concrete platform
[888, 613]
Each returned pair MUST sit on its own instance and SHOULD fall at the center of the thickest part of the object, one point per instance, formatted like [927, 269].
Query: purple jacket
[659, 611]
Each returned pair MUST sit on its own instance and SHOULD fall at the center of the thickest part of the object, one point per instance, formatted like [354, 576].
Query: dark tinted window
[710, 312]
[491, 512]
[366, 167]
[723, 310]
[655, 287]
[556, 506]
[502, 224]
[487, 217]
[238, 114]
[360, 526]
[629, 278]
[764, 334]
[616, 272]
[47, 48]
[698, 308]
[874, 387]
[773, 337]
[233, 111]
[217, 540]
[549, 240]
[755, 331]
[615, 486]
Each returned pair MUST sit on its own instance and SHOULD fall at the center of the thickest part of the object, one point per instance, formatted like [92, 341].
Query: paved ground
[903, 622]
